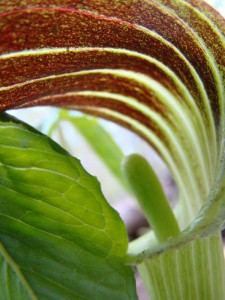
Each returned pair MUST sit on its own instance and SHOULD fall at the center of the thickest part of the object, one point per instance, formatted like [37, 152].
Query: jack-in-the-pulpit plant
[156, 67]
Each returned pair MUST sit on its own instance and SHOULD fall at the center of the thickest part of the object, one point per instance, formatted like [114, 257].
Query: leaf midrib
[18, 272]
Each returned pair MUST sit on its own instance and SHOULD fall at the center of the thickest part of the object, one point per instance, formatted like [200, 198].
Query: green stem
[151, 197]
[194, 271]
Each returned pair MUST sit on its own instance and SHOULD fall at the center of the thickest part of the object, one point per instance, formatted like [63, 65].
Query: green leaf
[55, 223]
[13, 284]
[100, 140]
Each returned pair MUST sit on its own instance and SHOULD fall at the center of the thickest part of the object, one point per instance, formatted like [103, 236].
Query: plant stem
[195, 271]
